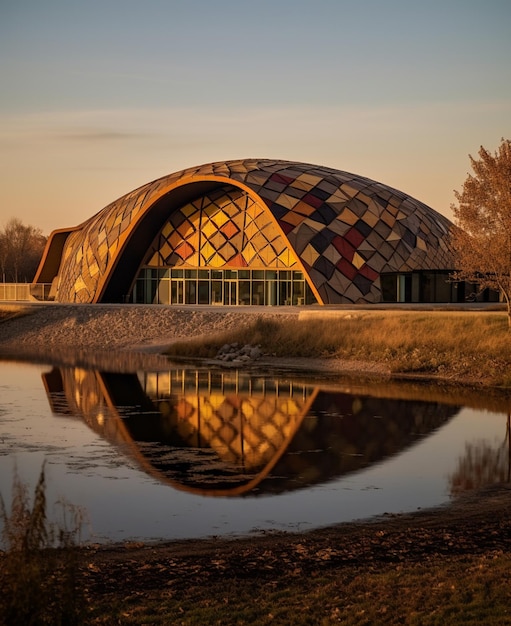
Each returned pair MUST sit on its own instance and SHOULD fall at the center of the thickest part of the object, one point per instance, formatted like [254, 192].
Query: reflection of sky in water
[123, 502]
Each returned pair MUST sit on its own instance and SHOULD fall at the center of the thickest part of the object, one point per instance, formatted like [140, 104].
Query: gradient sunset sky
[101, 96]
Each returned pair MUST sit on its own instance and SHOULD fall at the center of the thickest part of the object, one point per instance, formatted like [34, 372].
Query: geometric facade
[253, 231]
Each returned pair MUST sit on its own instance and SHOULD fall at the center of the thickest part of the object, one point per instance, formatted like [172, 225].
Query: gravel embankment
[74, 333]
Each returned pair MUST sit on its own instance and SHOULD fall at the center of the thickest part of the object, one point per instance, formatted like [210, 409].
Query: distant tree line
[21, 249]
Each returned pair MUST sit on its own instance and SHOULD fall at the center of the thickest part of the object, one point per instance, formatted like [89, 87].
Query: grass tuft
[39, 564]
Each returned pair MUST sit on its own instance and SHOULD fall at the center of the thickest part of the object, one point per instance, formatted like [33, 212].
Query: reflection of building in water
[228, 433]
[345, 433]
[214, 430]
[246, 421]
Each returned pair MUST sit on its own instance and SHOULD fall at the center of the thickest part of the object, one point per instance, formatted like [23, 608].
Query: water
[183, 453]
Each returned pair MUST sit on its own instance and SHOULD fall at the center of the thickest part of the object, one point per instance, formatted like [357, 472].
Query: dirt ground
[477, 523]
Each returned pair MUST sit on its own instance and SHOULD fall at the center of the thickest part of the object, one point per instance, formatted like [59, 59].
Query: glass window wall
[227, 287]
[426, 286]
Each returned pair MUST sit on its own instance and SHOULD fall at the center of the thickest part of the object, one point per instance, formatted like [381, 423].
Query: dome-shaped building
[254, 231]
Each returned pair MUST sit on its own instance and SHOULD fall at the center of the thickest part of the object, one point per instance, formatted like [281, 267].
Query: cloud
[212, 123]
[99, 135]
[422, 149]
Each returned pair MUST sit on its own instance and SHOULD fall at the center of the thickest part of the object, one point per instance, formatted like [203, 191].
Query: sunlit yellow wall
[226, 228]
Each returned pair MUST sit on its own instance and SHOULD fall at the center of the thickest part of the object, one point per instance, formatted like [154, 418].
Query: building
[259, 232]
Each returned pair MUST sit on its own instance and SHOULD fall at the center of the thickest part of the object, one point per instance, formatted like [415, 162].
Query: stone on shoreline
[233, 352]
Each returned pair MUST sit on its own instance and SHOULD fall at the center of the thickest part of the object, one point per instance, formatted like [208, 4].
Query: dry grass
[469, 347]
[465, 590]
[38, 567]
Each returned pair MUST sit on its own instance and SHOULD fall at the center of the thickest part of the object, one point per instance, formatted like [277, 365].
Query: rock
[255, 353]
[238, 355]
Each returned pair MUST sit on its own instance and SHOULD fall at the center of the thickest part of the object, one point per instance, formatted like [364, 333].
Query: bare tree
[21, 248]
[4, 254]
[482, 239]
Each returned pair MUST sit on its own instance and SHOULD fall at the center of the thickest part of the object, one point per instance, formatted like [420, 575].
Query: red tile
[347, 269]
[344, 247]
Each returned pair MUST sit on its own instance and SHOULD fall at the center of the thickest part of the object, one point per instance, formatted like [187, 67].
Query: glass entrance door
[230, 292]
[177, 291]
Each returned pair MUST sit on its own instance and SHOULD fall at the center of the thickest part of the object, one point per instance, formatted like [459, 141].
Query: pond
[186, 453]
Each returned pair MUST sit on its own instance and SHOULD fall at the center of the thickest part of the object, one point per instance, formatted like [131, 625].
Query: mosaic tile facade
[341, 229]
[223, 229]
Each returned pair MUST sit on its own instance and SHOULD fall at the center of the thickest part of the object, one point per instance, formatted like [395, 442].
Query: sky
[99, 97]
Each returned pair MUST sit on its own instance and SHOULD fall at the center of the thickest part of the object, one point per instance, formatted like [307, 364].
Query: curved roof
[344, 229]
